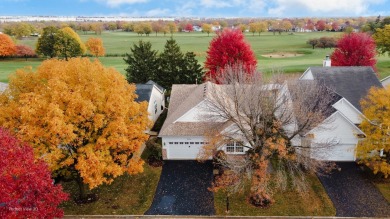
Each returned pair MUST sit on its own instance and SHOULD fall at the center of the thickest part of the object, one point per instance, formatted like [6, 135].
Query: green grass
[384, 188]
[120, 43]
[128, 194]
[315, 202]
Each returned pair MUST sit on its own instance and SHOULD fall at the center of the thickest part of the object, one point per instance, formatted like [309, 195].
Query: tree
[254, 27]
[382, 39]
[326, 42]
[207, 28]
[95, 46]
[142, 61]
[335, 26]
[349, 51]
[70, 32]
[192, 70]
[80, 117]
[67, 46]
[170, 61]
[320, 25]
[313, 42]
[24, 51]
[286, 25]
[263, 26]
[46, 42]
[189, 27]
[7, 46]
[157, 26]
[22, 30]
[172, 27]
[228, 48]
[266, 117]
[374, 150]
[26, 187]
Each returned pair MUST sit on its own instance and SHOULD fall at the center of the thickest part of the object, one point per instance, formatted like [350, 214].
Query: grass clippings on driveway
[287, 203]
[128, 194]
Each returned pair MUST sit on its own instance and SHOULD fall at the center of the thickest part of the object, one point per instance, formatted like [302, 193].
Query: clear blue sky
[198, 8]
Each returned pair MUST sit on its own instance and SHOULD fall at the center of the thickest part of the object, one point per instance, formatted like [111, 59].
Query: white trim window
[234, 147]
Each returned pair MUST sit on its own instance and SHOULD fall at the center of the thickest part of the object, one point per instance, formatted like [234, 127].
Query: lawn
[119, 43]
[384, 188]
[288, 203]
[127, 195]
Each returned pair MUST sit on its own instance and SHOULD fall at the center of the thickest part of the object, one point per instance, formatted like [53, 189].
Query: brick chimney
[327, 62]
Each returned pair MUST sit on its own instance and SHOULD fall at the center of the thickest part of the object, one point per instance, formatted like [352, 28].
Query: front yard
[287, 203]
[127, 195]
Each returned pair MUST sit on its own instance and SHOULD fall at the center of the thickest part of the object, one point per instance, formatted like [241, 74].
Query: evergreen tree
[142, 63]
[193, 71]
[171, 63]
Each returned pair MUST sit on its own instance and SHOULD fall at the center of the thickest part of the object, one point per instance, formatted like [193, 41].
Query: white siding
[307, 75]
[343, 135]
[156, 104]
[386, 81]
[348, 110]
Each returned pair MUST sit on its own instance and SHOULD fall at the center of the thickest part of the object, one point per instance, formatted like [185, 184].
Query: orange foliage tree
[80, 117]
[7, 46]
[95, 46]
[374, 150]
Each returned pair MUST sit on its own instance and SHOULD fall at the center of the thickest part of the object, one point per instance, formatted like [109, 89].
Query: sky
[197, 8]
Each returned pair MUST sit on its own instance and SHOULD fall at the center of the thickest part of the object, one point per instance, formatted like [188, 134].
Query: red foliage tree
[320, 25]
[335, 26]
[189, 27]
[26, 188]
[24, 51]
[355, 49]
[228, 48]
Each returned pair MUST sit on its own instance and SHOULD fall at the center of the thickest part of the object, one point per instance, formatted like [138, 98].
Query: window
[187, 142]
[170, 142]
[181, 143]
[234, 147]
[196, 142]
[176, 142]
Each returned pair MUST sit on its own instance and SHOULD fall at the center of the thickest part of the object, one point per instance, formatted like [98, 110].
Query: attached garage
[183, 147]
[339, 152]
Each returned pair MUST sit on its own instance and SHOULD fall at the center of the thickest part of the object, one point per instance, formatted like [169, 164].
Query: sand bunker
[281, 55]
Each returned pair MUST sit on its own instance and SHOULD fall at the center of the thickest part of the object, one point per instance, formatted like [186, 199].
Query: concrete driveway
[352, 194]
[183, 189]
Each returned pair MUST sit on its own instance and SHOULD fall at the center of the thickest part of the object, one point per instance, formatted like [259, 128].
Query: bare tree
[269, 118]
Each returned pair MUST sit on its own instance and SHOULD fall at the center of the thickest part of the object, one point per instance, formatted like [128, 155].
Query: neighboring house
[3, 86]
[351, 84]
[386, 81]
[154, 94]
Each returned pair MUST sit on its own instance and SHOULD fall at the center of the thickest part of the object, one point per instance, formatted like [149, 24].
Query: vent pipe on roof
[327, 62]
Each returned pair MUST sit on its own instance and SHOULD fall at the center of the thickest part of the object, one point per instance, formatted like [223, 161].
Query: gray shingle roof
[351, 82]
[144, 91]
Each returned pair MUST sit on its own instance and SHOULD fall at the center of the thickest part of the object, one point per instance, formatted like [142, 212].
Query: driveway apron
[352, 194]
[183, 189]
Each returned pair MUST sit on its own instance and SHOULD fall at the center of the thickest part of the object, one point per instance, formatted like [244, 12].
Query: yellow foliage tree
[374, 150]
[75, 36]
[80, 117]
[95, 46]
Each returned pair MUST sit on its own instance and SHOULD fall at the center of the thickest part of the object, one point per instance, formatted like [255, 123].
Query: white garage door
[341, 152]
[184, 151]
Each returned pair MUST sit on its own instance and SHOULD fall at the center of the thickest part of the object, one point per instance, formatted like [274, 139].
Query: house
[351, 84]
[154, 94]
[385, 81]
[3, 86]
[187, 125]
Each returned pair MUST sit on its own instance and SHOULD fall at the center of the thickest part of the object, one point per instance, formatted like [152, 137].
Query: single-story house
[185, 129]
[386, 81]
[351, 84]
[154, 94]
